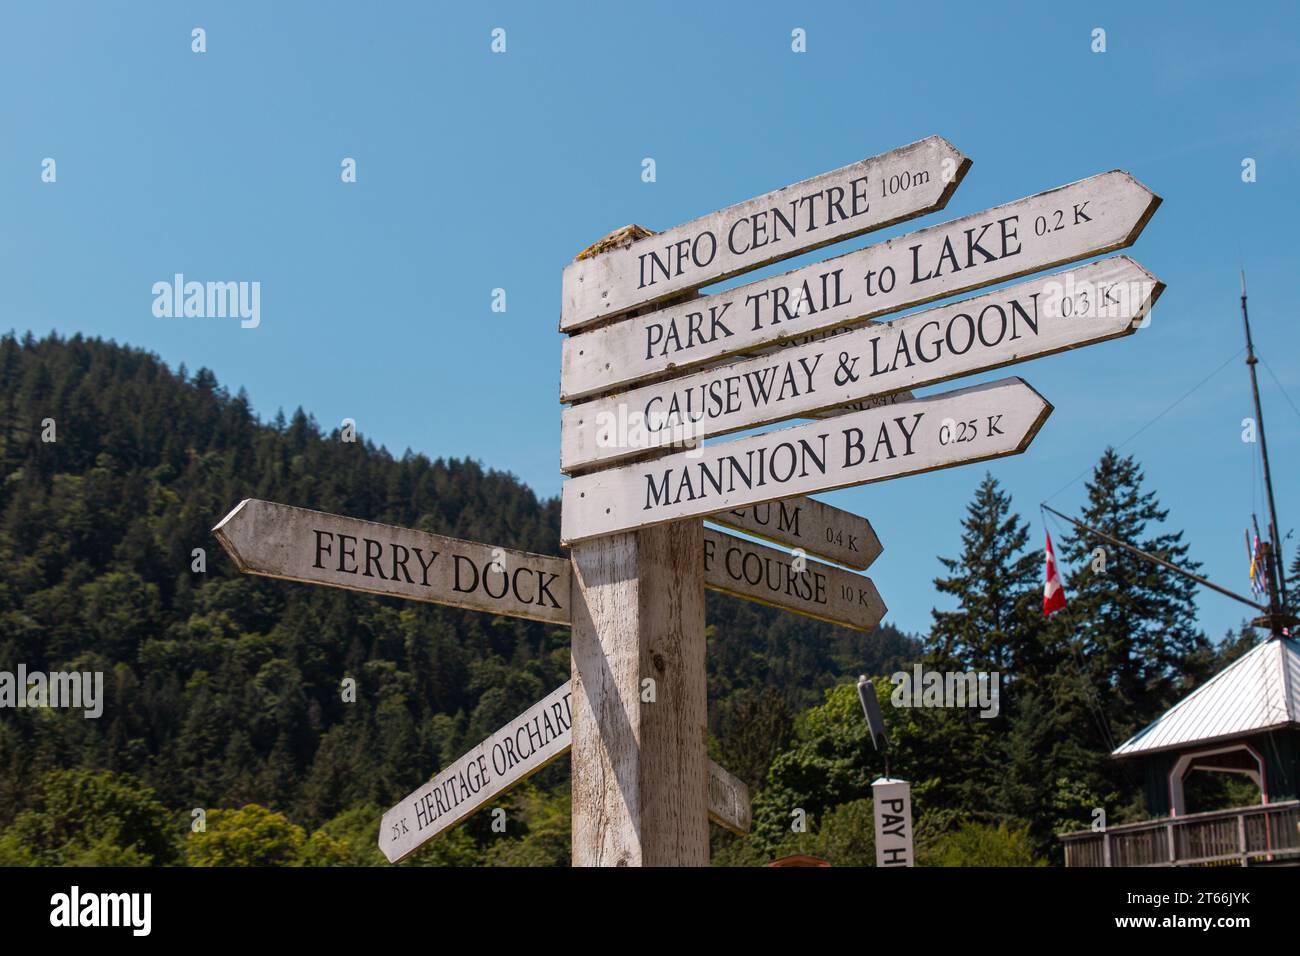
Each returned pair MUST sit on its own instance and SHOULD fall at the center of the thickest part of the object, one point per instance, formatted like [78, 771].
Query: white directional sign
[296, 544]
[877, 192]
[515, 752]
[758, 573]
[511, 755]
[966, 425]
[811, 526]
[1072, 222]
[1047, 314]
[892, 801]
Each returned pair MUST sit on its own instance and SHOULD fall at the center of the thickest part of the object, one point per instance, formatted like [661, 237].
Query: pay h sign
[892, 801]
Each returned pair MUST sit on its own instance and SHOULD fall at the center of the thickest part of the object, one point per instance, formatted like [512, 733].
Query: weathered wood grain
[729, 805]
[536, 738]
[511, 755]
[640, 785]
[280, 541]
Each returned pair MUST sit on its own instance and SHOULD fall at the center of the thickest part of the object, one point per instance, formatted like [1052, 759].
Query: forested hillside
[224, 700]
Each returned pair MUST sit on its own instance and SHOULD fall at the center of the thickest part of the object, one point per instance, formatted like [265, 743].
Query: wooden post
[640, 772]
[1241, 838]
[640, 751]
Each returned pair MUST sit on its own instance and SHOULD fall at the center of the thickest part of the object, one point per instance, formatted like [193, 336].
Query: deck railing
[1243, 836]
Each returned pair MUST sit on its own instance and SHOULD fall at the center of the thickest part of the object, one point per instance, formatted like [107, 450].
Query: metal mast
[1277, 601]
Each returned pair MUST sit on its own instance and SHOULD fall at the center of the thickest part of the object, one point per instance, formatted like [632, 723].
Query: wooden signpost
[514, 753]
[925, 434]
[847, 202]
[1086, 218]
[1048, 314]
[649, 387]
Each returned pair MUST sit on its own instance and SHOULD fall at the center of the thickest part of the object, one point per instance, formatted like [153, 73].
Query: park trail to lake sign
[651, 366]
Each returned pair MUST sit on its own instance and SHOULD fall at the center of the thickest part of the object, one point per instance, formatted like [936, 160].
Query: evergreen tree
[997, 624]
[996, 628]
[1293, 581]
[83, 817]
[1131, 623]
[224, 689]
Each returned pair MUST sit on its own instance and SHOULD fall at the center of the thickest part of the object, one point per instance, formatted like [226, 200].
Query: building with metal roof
[1245, 719]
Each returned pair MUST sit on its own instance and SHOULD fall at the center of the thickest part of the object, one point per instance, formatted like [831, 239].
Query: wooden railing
[1243, 836]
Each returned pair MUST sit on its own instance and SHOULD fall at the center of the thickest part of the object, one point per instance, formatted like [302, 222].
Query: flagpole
[1273, 547]
[1160, 561]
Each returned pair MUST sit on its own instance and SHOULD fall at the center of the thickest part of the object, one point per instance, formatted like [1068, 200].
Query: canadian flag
[1053, 591]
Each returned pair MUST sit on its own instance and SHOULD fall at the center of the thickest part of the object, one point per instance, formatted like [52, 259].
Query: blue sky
[478, 171]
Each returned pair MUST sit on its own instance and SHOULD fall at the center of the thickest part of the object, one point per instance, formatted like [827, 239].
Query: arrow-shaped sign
[958, 427]
[811, 526]
[753, 571]
[511, 755]
[314, 547]
[1047, 314]
[296, 544]
[877, 192]
[1072, 222]
[514, 753]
